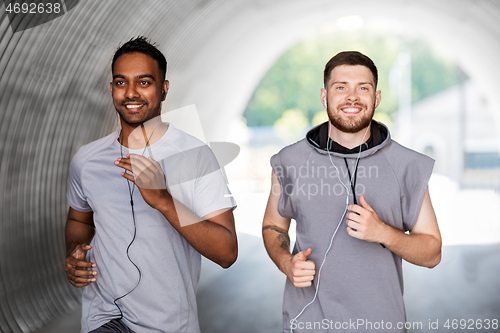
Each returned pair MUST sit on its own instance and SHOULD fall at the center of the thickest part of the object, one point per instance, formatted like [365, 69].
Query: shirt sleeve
[195, 179]
[211, 191]
[76, 195]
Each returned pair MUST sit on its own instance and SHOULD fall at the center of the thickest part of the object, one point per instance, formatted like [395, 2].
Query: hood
[379, 138]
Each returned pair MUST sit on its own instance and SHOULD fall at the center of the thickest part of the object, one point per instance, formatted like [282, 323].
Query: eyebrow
[345, 82]
[142, 76]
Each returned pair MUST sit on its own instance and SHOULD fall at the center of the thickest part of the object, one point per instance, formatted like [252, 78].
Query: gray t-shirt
[164, 300]
[361, 283]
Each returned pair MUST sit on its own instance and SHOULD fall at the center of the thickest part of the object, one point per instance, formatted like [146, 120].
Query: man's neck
[348, 140]
[141, 135]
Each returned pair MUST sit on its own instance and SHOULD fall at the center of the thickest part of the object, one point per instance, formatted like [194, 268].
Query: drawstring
[351, 180]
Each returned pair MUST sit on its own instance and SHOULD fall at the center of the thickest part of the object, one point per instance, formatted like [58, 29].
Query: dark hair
[351, 58]
[142, 45]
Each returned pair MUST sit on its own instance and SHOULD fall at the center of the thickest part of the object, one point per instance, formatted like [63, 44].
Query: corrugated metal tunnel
[54, 98]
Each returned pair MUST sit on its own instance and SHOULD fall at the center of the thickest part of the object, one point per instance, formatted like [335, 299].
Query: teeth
[134, 106]
[350, 110]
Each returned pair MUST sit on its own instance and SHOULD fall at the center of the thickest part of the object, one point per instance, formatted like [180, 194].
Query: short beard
[351, 125]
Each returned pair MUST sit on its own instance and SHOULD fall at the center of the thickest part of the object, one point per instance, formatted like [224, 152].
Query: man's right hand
[76, 266]
[301, 271]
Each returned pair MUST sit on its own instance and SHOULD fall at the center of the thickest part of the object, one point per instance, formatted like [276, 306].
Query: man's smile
[351, 109]
[133, 106]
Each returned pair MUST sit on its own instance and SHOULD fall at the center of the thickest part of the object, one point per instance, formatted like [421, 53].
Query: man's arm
[214, 236]
[79, 232]
[422, 246]
[297, 268]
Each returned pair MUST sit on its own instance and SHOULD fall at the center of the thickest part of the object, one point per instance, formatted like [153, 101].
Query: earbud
[324, 102]
[163, 95]
[376, 103]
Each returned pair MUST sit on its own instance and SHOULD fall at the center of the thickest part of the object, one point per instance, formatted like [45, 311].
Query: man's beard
[351, 125]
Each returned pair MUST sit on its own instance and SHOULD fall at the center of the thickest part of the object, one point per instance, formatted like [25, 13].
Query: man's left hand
[148, 175]
[364, 223]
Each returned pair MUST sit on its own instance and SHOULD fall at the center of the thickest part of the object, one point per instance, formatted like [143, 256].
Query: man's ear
[164, 87]
[378, 98]
[323, 97]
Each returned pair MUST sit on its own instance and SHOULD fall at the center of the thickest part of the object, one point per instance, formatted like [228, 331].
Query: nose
[131, 92]
[352, 96]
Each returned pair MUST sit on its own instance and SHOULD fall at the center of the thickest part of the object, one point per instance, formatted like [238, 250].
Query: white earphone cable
[338, 225]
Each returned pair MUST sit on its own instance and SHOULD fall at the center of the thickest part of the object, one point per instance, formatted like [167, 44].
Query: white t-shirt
[164, 300]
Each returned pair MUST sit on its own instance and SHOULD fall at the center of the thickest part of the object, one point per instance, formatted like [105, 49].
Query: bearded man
[361, 203]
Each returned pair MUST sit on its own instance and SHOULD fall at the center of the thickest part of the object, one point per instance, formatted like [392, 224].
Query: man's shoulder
[396, 152]
[93, 148]
[182, 140]
[404, 161]
[292, 153]
[184, 152]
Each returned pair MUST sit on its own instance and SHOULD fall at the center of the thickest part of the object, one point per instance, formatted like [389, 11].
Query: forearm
[77, 233]
[419, 249]
[277, 243]
[210, 239]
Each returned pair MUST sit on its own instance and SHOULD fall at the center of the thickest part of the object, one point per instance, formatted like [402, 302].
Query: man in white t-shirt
[145, 202]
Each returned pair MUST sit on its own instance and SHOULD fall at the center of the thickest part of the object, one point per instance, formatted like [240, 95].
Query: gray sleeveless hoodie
[361, 286]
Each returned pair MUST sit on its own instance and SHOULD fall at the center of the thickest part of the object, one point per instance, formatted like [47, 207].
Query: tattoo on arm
[282, 236]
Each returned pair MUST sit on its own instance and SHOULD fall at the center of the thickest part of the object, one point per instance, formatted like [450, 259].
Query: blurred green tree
[291, 126]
